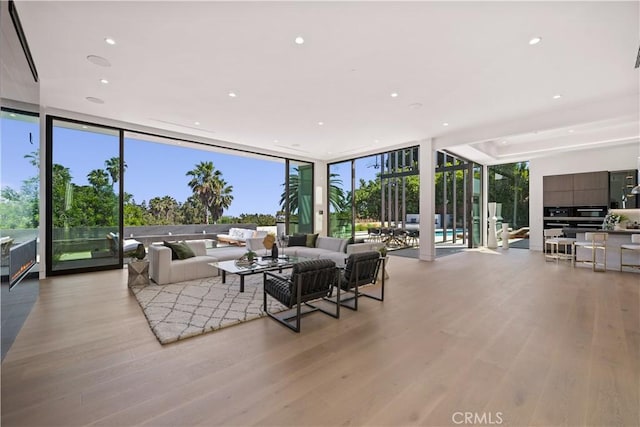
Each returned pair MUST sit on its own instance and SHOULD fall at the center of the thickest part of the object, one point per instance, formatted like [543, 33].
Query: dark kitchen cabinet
[558, 182]
[578, 189]
[591, 181]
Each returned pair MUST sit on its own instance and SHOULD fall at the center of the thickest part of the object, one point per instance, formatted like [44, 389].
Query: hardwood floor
[502, 335]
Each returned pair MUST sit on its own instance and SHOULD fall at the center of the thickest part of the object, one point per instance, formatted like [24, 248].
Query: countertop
[627, 231]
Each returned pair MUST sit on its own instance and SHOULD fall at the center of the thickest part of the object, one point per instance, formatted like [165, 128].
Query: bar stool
[595, 242]
[634, 247]
[566, 243]
[551, 240]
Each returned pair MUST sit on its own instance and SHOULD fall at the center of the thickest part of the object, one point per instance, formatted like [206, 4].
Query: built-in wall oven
[589, 217]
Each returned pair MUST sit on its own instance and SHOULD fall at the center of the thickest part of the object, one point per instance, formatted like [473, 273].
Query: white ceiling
[468, 64]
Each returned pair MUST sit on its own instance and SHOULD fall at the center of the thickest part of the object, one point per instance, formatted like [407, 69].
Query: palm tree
[113, 168]
[164, 208]
[214, 193]
[336, 193]
[98, 178]
[222, 198]
[34, 158]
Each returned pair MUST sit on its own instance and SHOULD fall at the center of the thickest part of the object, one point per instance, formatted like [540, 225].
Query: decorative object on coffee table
[269, 242]
[246, 260]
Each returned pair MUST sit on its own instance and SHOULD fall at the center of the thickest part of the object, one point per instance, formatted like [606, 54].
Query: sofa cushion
[305, 252]
[298, 240]
[331, 243]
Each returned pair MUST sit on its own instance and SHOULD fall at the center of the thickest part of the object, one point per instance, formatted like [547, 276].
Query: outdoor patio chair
[374, 234]
[412, 237]
[361, 269]
[309, 280]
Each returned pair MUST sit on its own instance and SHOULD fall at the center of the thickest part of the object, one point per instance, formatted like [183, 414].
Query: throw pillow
[180, 250]
[298, 240]
[184, 251]
[311, 240]
[174, 254]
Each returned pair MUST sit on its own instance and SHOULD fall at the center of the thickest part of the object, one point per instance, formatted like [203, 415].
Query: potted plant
[613, 221]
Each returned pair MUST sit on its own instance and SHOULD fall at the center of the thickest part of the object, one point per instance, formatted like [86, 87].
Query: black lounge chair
[309, 280]
[362, 269]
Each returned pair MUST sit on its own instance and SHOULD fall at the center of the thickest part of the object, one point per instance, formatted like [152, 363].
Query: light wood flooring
[502, 334]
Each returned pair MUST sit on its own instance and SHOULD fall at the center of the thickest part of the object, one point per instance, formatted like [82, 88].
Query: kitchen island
[615, 238]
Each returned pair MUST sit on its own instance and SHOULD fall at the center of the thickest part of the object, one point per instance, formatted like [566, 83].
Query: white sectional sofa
[331, 248]
[164, 270]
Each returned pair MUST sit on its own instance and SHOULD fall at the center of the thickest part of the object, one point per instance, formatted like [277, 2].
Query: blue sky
[153, 169]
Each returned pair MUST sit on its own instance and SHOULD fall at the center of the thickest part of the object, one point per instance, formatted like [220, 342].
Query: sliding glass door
[83, 187]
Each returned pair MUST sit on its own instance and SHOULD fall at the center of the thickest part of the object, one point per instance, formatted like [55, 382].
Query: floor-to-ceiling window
[340, 196]
[376, 194]
[20, 169]
[477, 205]
[509, 188]
[84, 193]
[164, 182]
[367, 195]
[458, 200]
[174, 182]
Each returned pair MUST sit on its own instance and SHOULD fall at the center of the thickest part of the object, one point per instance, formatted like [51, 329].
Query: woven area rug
[182, 310]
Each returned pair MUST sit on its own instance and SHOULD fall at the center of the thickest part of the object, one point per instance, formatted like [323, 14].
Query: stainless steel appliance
[589, 217]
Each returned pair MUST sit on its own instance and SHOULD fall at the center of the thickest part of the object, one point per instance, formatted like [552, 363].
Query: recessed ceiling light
[196, 123]
[110, 41]
[275, 141]
[99, 60]
[571, 131]
[104, 81]
[94, 100]
[232, 94]
[504, 142]
[376, 140]
[299, 40]
[558, 96]
[85, 127]
[394, 94]
[320, 123]
[445, 124]
[535, 40]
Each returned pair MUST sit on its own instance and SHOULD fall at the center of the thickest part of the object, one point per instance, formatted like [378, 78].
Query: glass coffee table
[258, 266]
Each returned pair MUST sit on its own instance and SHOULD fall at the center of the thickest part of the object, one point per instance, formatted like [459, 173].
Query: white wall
[601, 159]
